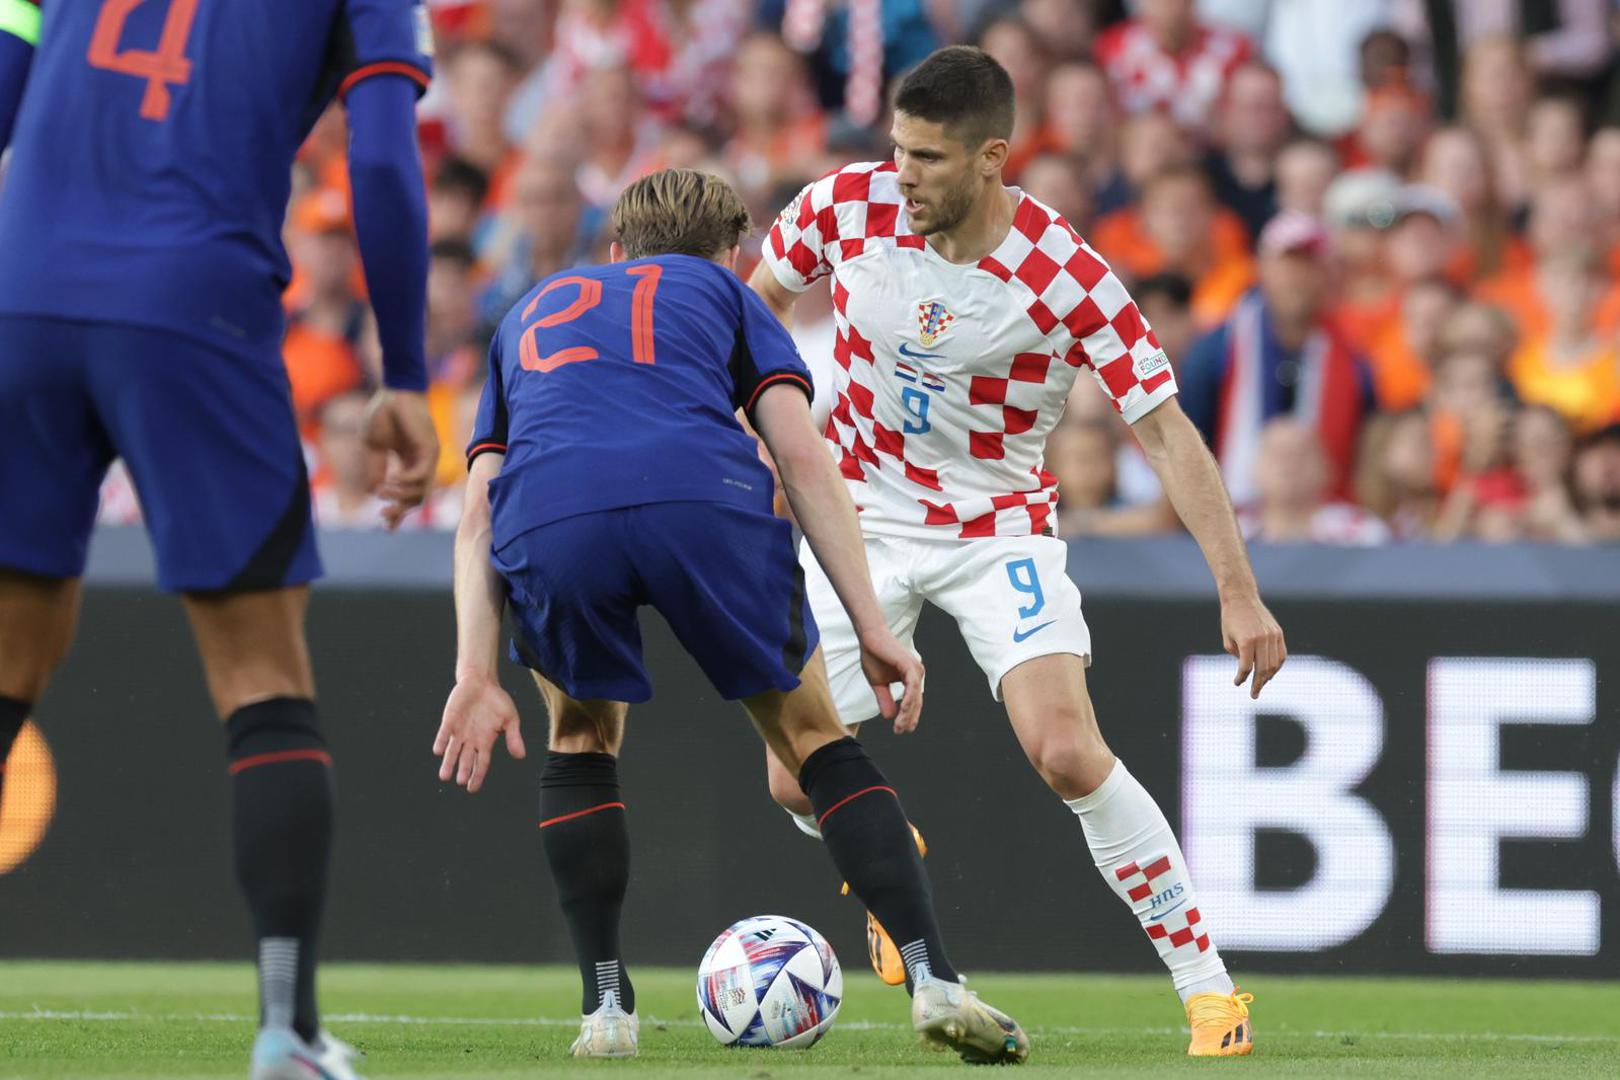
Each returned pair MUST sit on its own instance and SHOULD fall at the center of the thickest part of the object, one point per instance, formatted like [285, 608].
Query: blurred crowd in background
[1379, 239]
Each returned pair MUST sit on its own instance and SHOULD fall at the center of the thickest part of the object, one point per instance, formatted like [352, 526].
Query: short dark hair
[1174, 287]
[457, 175]
[965, 90]
[455, 250]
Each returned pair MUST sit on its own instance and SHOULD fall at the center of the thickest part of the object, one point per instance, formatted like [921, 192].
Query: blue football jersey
[614, 386]
[151, 159]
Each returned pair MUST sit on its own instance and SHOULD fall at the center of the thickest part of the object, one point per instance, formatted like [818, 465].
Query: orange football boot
[880, 947]
[1220, 1025]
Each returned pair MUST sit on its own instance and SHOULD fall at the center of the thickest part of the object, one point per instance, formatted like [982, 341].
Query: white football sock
[1133, 847]
[806, 824]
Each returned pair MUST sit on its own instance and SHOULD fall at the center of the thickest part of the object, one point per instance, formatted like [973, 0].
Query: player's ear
[993, 156]
[728, 259]
[616, 252]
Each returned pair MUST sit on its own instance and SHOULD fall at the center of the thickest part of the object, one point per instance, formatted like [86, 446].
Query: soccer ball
[769, 981]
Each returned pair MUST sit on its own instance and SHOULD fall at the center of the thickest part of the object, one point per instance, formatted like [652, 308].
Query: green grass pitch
[60, 1020]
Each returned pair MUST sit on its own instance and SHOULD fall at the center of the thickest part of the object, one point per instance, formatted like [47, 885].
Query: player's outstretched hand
[1251, 634]
[402, 450]
[474, 717]
[885, 661]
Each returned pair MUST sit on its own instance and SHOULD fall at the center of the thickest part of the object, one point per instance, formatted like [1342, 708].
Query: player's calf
[281, 821]
[871, 842]
[787, 793]
[587, 846]
[37, 619]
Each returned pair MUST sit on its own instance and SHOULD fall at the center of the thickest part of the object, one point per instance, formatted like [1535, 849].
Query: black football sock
[13, 715]
[281, 811]
[870, 841]
[587, 844]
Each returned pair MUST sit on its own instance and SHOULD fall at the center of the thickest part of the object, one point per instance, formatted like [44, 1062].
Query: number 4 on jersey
[161, 68]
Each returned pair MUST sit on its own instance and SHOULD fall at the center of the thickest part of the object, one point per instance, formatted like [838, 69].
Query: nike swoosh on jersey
[904, 351]
[1032, 631]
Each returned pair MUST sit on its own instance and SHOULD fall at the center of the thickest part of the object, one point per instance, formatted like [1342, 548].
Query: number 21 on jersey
[590, 294]
[162, 67]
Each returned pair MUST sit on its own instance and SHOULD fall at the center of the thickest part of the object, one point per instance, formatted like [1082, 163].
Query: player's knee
[24, 677]
[785, 788]
[1071, 764]
[273, 730]
[577, 729]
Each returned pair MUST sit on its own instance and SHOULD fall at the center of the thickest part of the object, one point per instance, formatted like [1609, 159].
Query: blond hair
[680, 211]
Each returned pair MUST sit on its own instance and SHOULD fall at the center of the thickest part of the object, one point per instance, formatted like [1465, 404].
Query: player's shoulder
[1044, 252]
[855, 183]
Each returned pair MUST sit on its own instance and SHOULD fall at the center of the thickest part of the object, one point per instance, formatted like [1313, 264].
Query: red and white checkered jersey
[950, 376]
[1187, 85]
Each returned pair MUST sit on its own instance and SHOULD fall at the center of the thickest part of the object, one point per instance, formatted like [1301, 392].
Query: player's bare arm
[1193, 482]
[778, 297]
[822, 505]
[479, 710]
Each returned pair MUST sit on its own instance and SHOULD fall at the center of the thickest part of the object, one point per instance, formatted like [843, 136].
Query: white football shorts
[1010, 596]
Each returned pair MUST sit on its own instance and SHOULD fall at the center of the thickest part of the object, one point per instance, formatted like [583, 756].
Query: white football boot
[950, 1015]
[609, 1032]
[279, 1054]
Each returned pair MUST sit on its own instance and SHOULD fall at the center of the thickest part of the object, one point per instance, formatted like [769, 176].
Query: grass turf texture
[60, 1020]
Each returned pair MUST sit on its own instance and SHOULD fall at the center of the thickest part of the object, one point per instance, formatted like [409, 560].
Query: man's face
[549, 206]
[1178, 215]
[940, 176]
[764, 79]
[1254, 117]
[450, 296]
[1291, 472]
[1167, 20]
[1294, 283]
[342, 422]
[1597, 489]
[328, 259]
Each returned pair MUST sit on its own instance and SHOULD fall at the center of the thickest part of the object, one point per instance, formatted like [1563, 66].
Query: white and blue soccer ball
[769, 981]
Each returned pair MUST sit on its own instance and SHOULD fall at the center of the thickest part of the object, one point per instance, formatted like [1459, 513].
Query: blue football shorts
[209, 438]
[726, 579]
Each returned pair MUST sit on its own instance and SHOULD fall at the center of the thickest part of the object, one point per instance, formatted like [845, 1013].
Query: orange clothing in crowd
[1519, 294]
[500, 182]
[1585, 391]
[1400, 376]
[1121, 238]
[1464, 267]
[1446, 432]
[1022, 152]
[319, 366]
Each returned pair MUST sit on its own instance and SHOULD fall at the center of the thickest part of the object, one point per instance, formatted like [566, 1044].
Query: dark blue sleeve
[16, 56]
[390, 220]
[1199, 379]
[489, 426]
[386, 37]
[764, 353]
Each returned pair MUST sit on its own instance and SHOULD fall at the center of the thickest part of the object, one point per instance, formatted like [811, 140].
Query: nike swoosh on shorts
[1032, 631]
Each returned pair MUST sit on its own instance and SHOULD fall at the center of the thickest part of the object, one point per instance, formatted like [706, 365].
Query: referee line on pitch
[74, 1016]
